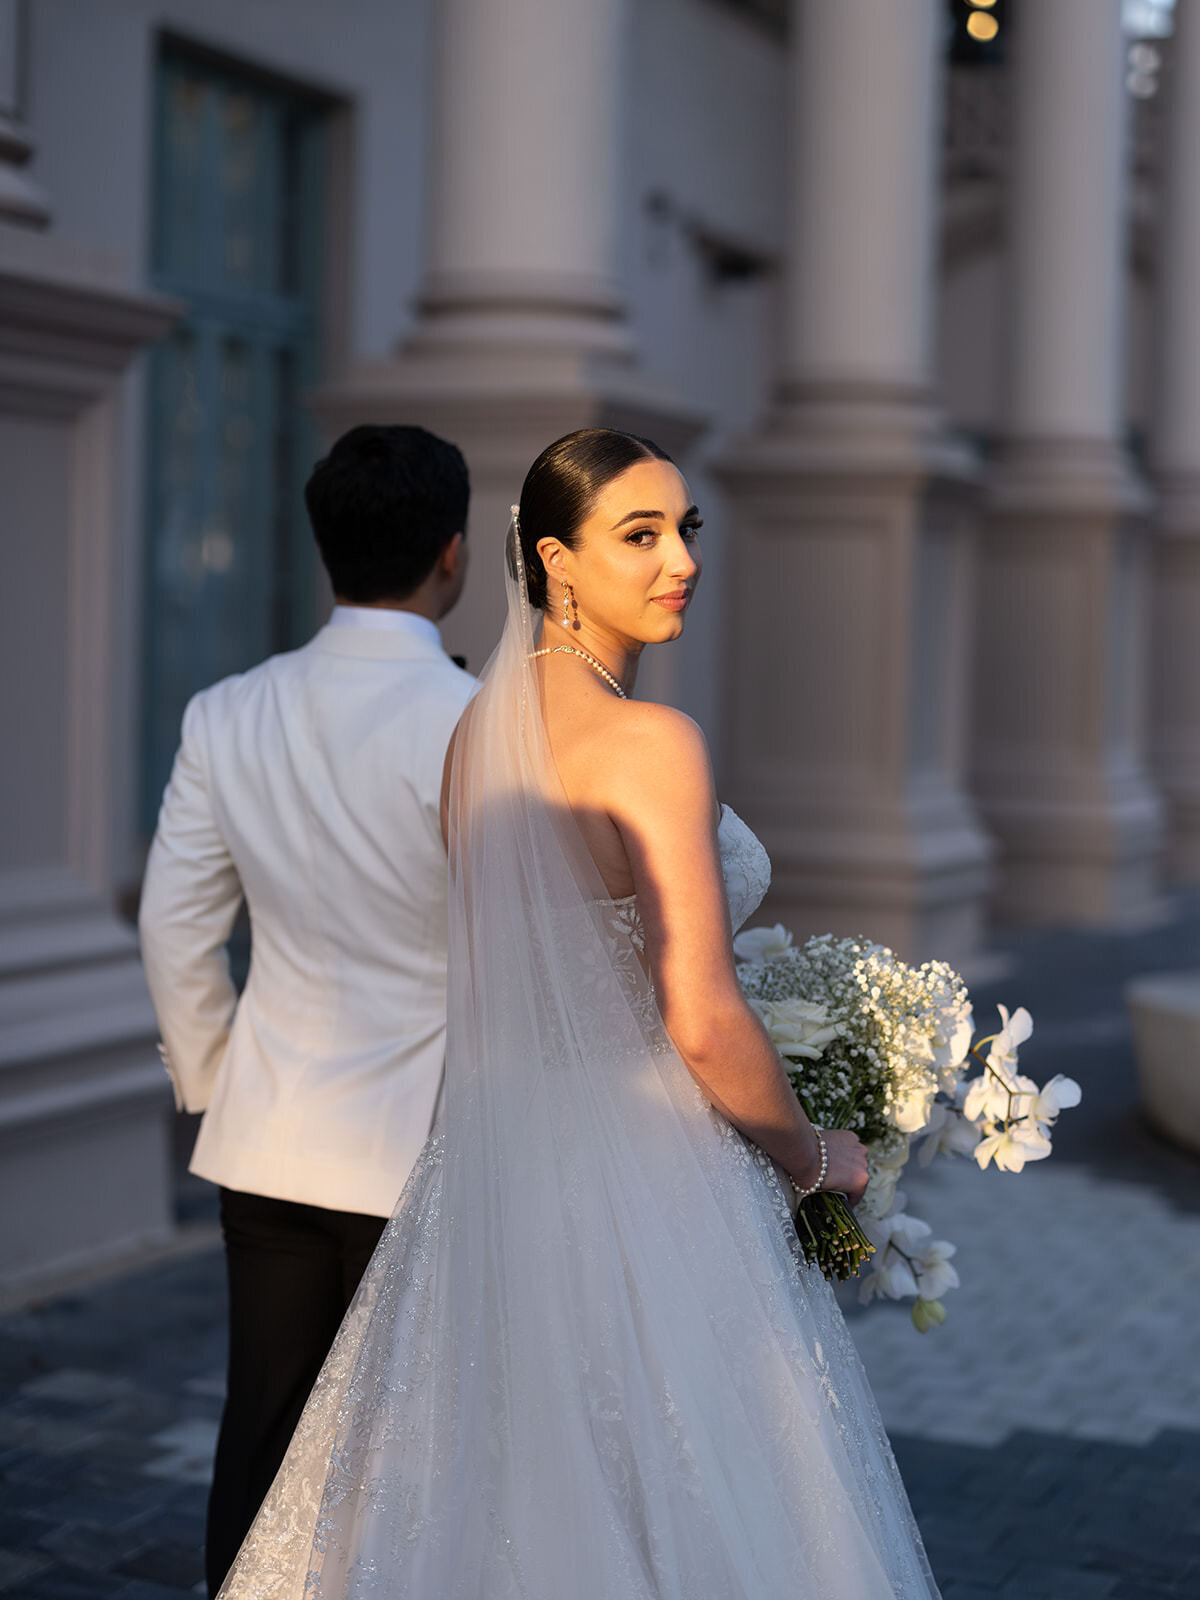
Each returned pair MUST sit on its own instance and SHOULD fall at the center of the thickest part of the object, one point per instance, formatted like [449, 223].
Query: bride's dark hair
[561, 486]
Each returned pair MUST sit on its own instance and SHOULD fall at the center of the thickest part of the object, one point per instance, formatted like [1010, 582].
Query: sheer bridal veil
[585, 1363]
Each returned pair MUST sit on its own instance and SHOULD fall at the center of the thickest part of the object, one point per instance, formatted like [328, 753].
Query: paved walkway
[1049, 1433]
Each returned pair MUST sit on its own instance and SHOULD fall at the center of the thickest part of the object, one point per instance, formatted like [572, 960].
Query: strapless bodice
[745, 866]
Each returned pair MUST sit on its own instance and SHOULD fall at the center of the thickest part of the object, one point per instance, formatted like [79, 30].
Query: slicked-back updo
[562, 485]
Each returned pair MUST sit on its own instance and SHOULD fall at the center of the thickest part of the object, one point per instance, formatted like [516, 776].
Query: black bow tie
[460, 661]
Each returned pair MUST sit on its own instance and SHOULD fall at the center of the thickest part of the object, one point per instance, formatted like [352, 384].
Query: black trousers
[292, 1270]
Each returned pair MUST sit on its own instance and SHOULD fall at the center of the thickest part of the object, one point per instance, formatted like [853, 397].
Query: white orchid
[907, 1232]
[889, 1277]
[990, 1097]
[948, 1132]
[1012, 1113]
[1043, 1105]
[1015, 1030]
[891, 1280]
[908, 1263]
[759, 945]
[1011, 1148]
[933, 1271]
[895, 1224]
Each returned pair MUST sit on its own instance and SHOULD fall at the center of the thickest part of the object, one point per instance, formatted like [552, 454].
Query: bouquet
[885, 1049]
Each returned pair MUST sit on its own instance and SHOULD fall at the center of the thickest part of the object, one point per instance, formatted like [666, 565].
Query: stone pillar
[1059, 728]
[84, 1107]
[521, 334]
[523, 175]
[851, 518]
[1175, 633]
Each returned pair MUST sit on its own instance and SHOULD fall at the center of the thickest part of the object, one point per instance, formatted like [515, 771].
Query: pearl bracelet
[803, 1194]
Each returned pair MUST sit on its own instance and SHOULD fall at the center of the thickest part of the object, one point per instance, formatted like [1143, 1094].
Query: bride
[588, 1361]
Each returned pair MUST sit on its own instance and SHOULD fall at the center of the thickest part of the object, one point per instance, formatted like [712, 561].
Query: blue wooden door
[236, 237]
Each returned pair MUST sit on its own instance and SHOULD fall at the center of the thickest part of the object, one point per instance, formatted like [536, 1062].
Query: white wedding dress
[587, 1361]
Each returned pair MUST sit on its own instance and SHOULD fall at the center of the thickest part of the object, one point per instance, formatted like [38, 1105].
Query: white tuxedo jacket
[309, 786]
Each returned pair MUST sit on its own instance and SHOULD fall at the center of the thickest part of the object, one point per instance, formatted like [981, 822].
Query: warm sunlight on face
[637, 560]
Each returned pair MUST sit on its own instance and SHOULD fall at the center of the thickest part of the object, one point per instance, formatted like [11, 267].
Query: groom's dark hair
[383, 504]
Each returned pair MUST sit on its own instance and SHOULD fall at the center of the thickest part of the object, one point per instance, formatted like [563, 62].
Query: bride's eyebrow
[641, 516]
[635, 516]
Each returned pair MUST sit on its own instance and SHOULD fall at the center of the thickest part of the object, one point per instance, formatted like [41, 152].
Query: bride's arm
[663, 803]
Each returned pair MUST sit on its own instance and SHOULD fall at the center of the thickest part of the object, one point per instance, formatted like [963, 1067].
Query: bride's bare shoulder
[658, 752]
[649, 719]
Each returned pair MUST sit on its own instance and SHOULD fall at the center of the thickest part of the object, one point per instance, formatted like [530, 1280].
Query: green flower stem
[830, 1235]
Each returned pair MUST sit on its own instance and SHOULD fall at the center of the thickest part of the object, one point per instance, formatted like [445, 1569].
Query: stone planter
[1165, 1010]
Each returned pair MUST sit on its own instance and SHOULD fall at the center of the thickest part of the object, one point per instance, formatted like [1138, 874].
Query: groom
[309, 787]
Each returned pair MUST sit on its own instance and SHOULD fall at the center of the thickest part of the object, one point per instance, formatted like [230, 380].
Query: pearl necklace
[571, 650]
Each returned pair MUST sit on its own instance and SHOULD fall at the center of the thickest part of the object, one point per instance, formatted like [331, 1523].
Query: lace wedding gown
[595, 1366]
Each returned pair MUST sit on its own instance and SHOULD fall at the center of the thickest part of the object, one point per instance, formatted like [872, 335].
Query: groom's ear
[452, 556]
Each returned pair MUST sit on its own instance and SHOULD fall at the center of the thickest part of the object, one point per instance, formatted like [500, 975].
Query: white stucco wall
[91, 103]
[90, 107]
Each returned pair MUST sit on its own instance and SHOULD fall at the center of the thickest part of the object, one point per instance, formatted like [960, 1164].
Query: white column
[1067, 215]
[1175, 680]
[521, 334]
[524, 168]
[851, 513]
[1059, 727]
[861, 233]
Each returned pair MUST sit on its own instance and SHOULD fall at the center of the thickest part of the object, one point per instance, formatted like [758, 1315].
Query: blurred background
[908, 287]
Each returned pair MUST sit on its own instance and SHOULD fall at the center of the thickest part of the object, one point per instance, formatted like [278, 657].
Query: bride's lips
[675, 601]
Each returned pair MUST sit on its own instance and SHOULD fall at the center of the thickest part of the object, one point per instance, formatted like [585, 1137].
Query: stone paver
[110, 1400]
[1080, 1297]
[1049, 1433]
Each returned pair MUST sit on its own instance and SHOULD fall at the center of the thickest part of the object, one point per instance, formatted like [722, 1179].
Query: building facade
[908, 294]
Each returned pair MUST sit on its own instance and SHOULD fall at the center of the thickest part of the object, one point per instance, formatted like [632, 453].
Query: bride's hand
[847, 1170]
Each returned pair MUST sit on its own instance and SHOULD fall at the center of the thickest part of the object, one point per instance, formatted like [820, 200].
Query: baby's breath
[887, 1017]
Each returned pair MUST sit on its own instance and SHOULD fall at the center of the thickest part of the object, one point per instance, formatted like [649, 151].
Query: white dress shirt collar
[385, 620]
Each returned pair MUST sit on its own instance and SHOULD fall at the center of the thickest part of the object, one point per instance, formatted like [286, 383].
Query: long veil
[585, 1362]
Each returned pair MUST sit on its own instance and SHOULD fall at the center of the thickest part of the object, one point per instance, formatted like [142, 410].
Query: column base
[914, 877]
[84, 1104]
[852, 515]
[502, 402]
[1175, 670]
[1057, 765]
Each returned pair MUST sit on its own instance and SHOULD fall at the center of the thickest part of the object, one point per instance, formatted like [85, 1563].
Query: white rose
[758, 945]
[797, 1027]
